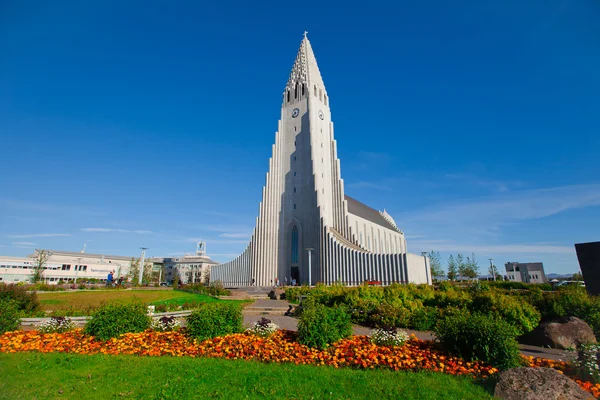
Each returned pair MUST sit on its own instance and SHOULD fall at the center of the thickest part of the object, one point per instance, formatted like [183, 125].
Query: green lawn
[65, 376]
[85, 300]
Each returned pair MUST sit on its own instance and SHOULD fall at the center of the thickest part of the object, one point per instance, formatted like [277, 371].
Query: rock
[562, 333]
[537, 384]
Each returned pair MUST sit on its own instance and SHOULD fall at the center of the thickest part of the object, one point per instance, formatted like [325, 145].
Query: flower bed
[356, 352]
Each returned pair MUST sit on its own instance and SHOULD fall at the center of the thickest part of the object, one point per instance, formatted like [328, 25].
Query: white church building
[308, 230]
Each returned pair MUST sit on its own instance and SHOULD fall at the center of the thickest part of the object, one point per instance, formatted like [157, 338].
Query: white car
[571, 283]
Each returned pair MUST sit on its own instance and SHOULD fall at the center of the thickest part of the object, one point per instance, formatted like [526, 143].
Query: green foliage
[523, 316]
[114, 319]
[215, 319]
[26, 302]
[424, 319]
[9, 315]
[480, 337]
[320, 326]
[391, 315]
[435, 264]
[452, 269]
[213, 289]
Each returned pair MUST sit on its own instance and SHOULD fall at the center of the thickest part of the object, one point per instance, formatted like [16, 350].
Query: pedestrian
[277, 282]
[285, 281]
[109, 279]
[253, 281]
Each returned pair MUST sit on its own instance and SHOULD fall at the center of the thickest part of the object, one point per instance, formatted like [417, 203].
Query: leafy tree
[577, 276]
[134, 270]
[435, 264]
[452, 271]
[471, 267]
[461, 266]
[38, 268]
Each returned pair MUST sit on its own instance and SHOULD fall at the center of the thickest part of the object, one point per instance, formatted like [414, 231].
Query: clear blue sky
[125, 124]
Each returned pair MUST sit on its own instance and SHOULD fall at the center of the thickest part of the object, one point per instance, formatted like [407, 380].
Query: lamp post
[77, 269]
[492, 269]
[310, 250]
[142, 264]
[424, 254]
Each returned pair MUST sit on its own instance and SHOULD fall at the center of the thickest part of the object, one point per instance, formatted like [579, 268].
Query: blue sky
[125, 124]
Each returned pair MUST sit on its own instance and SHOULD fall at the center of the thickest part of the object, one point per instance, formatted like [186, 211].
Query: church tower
[304, 207]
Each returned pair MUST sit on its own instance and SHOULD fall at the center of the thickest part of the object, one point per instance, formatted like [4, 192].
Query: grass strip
[70, 376]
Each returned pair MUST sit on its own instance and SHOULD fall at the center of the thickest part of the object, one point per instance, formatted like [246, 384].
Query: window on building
[325, 99]
[294, 190]
[294, 158]
[315, 90]
[294, 243]
[288, 92]
[294, 173]
[294, 206]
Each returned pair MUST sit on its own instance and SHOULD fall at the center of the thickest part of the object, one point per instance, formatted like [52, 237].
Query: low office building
[191, 268]
[526, 272]
[67, 266]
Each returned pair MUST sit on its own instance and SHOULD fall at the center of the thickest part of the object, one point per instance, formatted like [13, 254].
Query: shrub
[424, 319]
[389, 336]
[263, 328]
[213, 289]
[480, 337]
[215, 319]
[390, 315]
[523, 316]
[165, 324]
[113, 319]
[9, 315]
[26, 302]
[320, 326]
[56, 325]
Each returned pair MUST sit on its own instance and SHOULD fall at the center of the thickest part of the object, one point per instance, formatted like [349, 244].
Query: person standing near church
[109, 279]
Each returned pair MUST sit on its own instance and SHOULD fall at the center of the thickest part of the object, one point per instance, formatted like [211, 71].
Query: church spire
[305, 70]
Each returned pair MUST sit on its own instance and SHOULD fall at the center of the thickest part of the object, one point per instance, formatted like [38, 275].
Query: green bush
[114, 319]
[523, 316]
[215, 319]
[390, 315]
[320, 326]
[9, 315]
[213, 289]
[424, 319]
[480, 337]
[26, 302]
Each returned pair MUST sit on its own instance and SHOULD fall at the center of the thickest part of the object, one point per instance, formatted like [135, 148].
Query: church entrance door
[295, 274]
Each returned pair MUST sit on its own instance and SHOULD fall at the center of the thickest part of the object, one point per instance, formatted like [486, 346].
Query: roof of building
[80, 254]
[370, 214]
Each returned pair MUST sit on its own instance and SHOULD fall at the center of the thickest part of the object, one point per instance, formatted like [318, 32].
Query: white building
[305, 213]
[69, 266]
[192, 268]
[63, 266]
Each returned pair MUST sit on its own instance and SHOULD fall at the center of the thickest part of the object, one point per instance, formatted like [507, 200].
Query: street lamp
[77, 269]
[142, 264]
[310, 250]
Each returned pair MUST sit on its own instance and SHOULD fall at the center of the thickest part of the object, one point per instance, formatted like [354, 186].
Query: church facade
[308, 230]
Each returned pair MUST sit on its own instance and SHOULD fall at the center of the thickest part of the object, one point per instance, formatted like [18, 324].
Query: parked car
[571, 283]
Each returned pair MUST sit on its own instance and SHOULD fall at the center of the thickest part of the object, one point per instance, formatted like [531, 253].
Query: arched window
[288, 96]
[294, 244]
[315, 90]
[303, 89]
[296, 91]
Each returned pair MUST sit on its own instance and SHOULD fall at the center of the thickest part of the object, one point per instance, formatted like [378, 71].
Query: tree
[461, 266]
[134, 270]
[577, 276]
[38, 268]
[471, 269]
[452, 272]
[435, 264]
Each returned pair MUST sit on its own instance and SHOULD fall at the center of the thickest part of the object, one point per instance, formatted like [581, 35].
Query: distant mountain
[558, 276]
